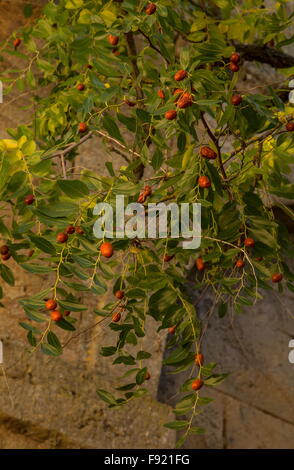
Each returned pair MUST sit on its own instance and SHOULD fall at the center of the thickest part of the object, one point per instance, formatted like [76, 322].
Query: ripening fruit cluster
[240, 263]
[234, 62]
[55, 314]
[183, 99]
[62, 237]
[5, 253]
[197, 384]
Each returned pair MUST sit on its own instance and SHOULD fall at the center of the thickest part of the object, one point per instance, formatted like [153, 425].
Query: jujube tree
[158, 84]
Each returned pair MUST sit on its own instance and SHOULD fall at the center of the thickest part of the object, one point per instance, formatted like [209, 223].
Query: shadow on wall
[253, 407]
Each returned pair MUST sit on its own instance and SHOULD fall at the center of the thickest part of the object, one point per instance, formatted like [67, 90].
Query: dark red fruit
[236, 100]
[80, 87]
[204, 182]
[168, 258]
[277, 277]
[119, 294]
[180, 75]
[240, 263]
[234, 67]
[185, 101]
[113, 40]
[249, 242]
[51, 304]
[171, 114]
[30, 199]
[116, 317]
[16, 43]
[207, 152]
[6, 257]
[70, 229]
[30, 253]
[106, 249]
[82, 127]
[290, 126]
[4, 249]
[62, 237]
[197, 384]
[150, 9]
[235, 58]
[200, 265]
[79, 230]
[142, 198]
[66, 313]
[130, 103]
[161, 94]
[147, 190]
[147, 376]
[172, 330]
[89, 66]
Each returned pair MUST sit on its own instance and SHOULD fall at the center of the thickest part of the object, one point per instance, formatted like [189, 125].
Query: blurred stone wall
[52, 403]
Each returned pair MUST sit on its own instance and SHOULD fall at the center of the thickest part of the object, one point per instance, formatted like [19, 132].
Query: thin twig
[152, 45]
[63, 166]
[259, 138]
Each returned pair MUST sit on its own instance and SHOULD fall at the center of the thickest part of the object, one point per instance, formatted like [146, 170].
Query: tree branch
[71, 147]
[215, 141]
[259, 138]
[266, 55]
[152, 45]
[132, 50]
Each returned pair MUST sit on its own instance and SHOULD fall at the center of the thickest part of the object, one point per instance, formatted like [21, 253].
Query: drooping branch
[266, 55]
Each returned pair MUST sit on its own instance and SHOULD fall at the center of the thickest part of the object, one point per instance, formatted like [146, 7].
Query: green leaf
[178, 355]
[222, 309]
[143, 355]
[75, 189]
[7, 274]
[43, 244]
[50, 350]
[181, 424]
[31, 328]
[108, 351]
[31, 339]
[127, 360]
[74, 4]
[106, 396]
[110, 125]
[65, 325]
[140, 377]
[53, 340]
[137, 327]
[72, 306]
[215, 379]
[36, 268]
